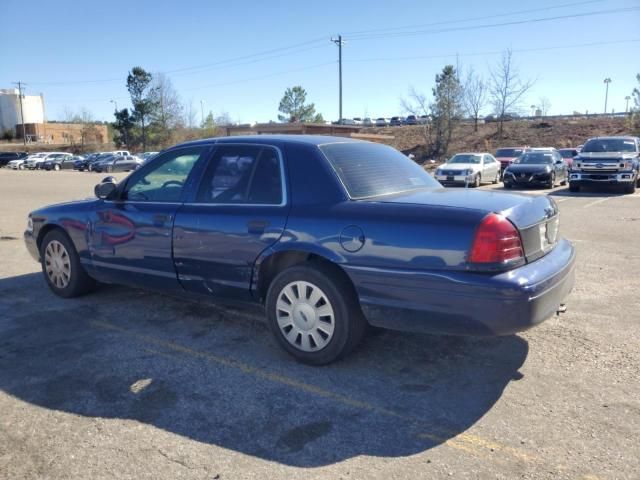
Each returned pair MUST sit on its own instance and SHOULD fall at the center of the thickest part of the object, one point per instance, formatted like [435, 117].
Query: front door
[131, 235]
[240, 210]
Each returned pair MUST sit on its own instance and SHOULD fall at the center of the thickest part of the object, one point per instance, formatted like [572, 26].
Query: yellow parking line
[466, 442]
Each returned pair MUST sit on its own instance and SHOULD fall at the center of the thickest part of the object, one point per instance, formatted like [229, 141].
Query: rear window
[369, 169]
[509, 152]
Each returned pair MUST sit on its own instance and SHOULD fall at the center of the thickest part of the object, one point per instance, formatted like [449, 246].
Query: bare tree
[67, 114]
[418, 104]
[88, 132]
[506, 88]
[474, 96]
[545, 105]
[191, 114]
[168, 114]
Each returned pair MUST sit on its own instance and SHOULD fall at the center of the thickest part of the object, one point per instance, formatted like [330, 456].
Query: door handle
[257, 226]
[160, 219]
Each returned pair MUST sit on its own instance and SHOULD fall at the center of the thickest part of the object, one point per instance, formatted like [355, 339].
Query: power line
[470, 19]
[362, 35]
[492, 52]
[222, 84]
[492, 25]
[230, 62]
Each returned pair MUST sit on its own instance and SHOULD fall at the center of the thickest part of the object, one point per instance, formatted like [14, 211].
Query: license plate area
[548, 232]
[450, 178]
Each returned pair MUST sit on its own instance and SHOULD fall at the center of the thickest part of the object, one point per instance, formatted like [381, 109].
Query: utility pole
[24, 129]
[626, 109]
[607, 81]
[201, 113]
[338, 41]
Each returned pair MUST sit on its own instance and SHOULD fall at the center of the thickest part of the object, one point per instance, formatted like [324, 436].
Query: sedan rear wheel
[61, 266]
[314, 314]
[305, 316]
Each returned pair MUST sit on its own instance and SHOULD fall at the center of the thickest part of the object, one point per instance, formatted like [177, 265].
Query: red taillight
[496, 241]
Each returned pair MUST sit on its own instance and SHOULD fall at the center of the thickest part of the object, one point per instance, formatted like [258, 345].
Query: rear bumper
[464, 303]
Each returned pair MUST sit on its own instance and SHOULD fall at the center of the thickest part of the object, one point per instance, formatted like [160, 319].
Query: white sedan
[469, 169]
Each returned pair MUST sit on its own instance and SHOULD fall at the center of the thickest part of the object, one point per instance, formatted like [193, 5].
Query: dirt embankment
[534, 133]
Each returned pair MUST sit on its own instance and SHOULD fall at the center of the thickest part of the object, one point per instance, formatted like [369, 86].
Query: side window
[242, 174]
[164, 179]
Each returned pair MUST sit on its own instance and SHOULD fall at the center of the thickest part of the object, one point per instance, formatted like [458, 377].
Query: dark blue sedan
[329, 234]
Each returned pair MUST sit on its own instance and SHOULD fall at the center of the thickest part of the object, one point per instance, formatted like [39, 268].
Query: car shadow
[591, 191]
[215, 376]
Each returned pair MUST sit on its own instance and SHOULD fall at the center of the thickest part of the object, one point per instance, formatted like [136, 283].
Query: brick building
[64, 133]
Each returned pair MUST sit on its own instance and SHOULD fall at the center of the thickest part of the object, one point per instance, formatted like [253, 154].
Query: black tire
[565, 179]
[552, 180]
[476, 181]
[573, 187]
[79, 283]
[630, 188]
[349, 322]
[507, 185]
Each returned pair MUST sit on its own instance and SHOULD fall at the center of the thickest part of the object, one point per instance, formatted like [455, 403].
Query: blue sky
[78, 53]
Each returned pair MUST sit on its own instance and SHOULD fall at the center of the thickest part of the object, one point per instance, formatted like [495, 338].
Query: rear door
[239, 210]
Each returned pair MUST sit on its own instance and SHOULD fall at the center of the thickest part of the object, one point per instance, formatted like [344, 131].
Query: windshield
[465, 158]
[535, 158]
[609, 145]
[369, 169]
[509, 152]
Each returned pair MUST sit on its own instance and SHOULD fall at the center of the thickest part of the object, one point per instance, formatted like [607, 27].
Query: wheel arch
[49, 227]
[274, 261]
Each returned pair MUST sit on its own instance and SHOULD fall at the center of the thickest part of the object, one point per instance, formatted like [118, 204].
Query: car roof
[316, 140]
[616, 137]
[472, 153]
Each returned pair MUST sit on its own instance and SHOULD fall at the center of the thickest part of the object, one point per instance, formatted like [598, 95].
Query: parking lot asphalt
[126, 383]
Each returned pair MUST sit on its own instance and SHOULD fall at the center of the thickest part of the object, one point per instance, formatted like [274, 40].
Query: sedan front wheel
[314, 314]
[61, 266]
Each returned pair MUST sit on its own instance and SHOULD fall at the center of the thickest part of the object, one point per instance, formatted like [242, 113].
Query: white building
[32, 105]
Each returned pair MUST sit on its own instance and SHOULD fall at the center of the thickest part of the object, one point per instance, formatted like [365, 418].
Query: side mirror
[105, 188]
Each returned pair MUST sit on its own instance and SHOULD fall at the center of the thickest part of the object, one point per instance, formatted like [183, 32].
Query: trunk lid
[536, 217]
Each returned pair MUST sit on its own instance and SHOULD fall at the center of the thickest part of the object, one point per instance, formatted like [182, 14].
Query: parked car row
[116, 161]
[384, 122]
[602, 160]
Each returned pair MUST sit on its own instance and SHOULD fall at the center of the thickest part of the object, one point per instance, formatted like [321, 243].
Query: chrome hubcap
[305, 316]
[57, 264]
